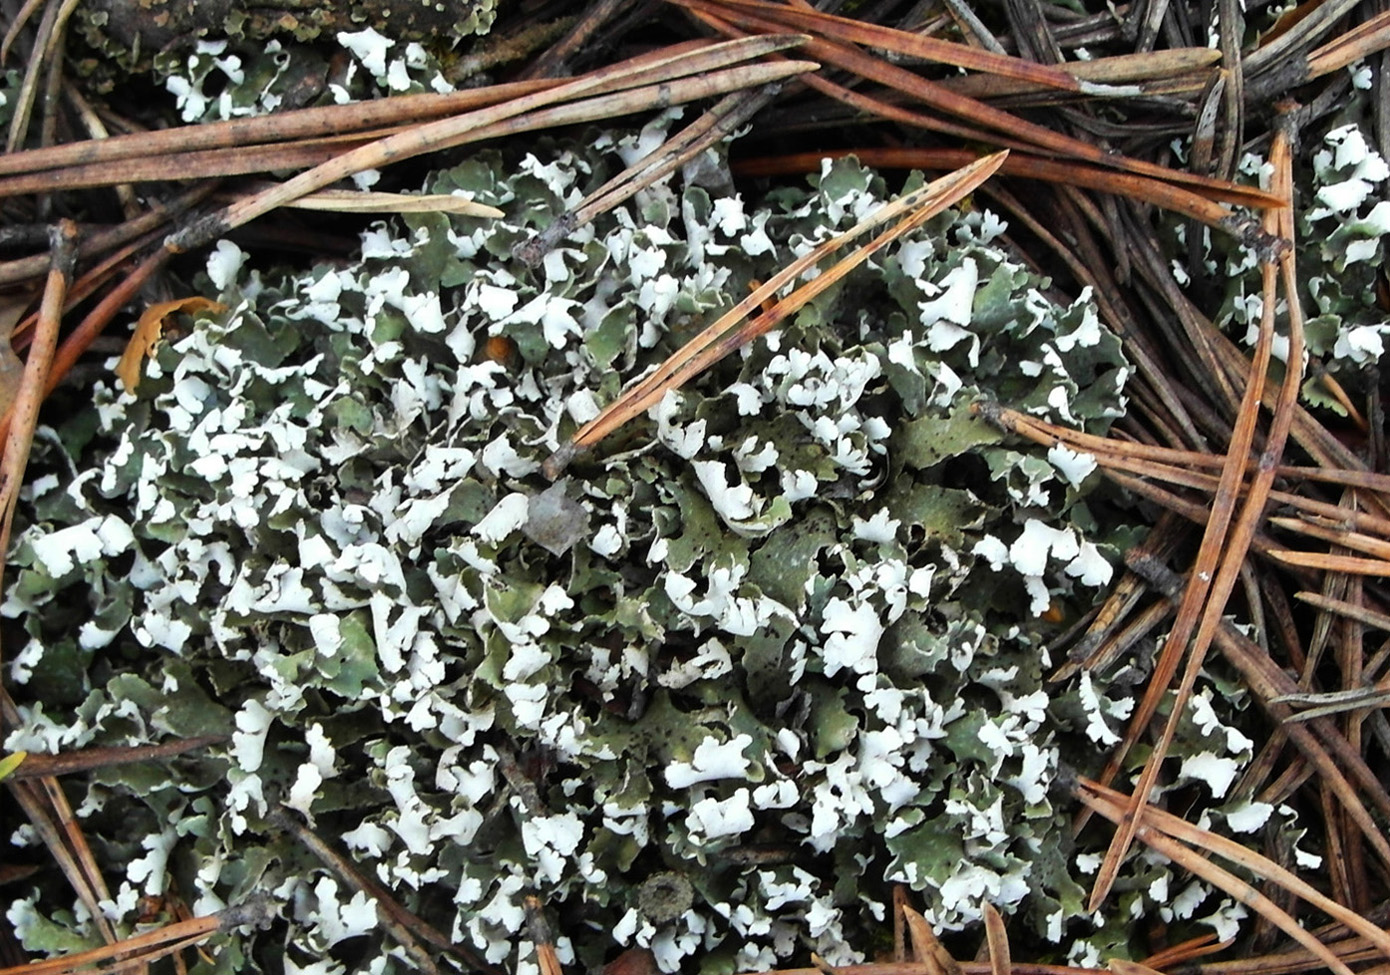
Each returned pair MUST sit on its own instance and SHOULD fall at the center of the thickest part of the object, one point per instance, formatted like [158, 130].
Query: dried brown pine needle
[1117, 808]
[1179, 199]
[926, 946]
[1222, 552]
[650, 81]
[1355, 44]
[1328, 562]
[1000, 960]
[354, 201]
[1363, 614]
[1261, 866]
[280, 128]
[914, 45]
[82, 759]
[142, 949]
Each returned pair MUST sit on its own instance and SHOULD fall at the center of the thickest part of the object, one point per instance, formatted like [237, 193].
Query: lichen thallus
[734, 329]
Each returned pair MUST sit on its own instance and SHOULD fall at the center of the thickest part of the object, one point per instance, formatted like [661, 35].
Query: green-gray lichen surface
[131, 35]
[774, 649]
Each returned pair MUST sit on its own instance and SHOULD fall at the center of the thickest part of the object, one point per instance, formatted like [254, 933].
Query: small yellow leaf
[148, 331]
[11, 762]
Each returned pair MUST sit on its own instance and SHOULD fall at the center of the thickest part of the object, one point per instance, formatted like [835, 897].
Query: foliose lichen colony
[775, 649]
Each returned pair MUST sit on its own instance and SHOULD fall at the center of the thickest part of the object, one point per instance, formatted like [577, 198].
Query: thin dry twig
[538, 928]
[1148, 73]
[1318, 741]
[356, 201]
[1355, 44]
[914, 45]
[83, 759]
[991, 124]
[926, 946]
[104, 242]
[24, 415]
[1362, 614]
[46, 806]
[554, 61]
[1247, 859]
[1116, 809]
[400, 923]
[282, 128]
[336, 158]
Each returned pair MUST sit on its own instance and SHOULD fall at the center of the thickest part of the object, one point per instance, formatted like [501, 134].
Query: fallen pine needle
[1327, 562]
[353, 201]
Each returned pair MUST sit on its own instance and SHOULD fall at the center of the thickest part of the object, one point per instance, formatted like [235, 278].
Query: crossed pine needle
[735, 329]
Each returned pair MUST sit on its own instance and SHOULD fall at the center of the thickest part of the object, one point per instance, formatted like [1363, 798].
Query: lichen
[794, 655]
[125, 37]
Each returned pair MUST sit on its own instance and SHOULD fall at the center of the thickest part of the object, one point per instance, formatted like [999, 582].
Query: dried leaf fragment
[148, 331]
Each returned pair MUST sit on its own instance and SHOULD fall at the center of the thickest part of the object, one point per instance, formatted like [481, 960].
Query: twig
[926, 946]
[1176, 198]
[1120, 75]
[96, 129]
[24, 414]
[960, 10]
[1187, 951]
[539, 931]
[81, 760]
[103, 241]
[903, 42]
[1304, 32]
[1362, 614]
[28, 89]
[1326, 750]
[16, 25]
[1334, 563]
[1108, 450]
[1336, 534]
[552, 64]
[48, 811]
[1002, 128]
[400, 923]
[1109, 803]
[1357, 43]
[305, 123]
